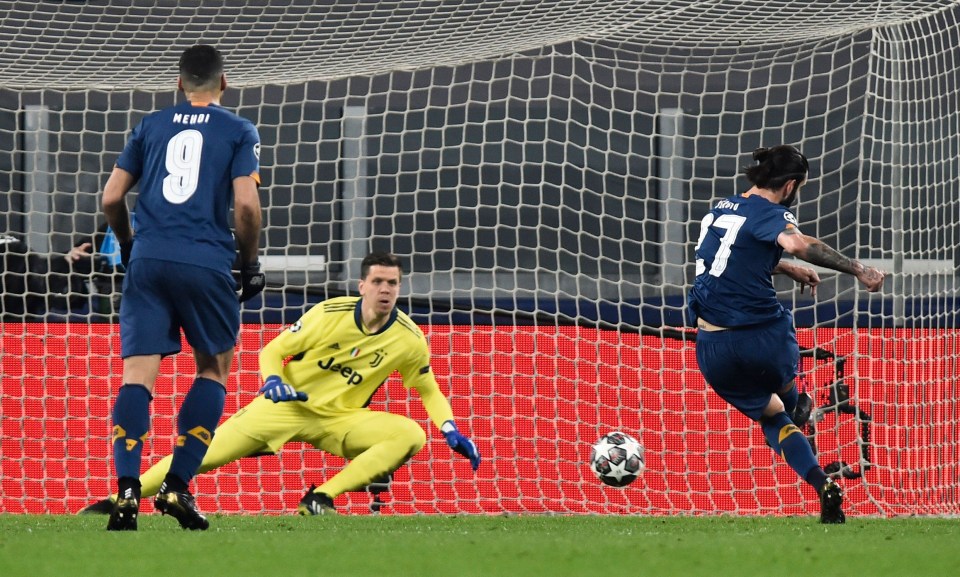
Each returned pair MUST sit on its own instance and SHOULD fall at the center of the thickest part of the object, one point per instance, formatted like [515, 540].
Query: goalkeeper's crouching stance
[340, 352]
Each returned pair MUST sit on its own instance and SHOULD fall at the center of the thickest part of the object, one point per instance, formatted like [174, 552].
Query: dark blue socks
[198, 418]
[788, 441]
[131, 423]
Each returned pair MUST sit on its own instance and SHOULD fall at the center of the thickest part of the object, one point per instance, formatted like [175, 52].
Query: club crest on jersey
[378, 357]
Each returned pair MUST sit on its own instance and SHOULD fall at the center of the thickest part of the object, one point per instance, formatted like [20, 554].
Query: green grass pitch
[457, 546]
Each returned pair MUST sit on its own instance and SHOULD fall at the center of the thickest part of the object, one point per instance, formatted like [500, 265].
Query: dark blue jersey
[185, 158]
[736, 254]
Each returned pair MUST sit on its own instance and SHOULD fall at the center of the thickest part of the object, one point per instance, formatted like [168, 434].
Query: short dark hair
[379, 259]
[201, 66]
[776, 166]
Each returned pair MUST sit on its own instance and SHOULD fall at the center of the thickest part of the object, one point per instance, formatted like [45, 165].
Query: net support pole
[670, 192]
[38, 180]
[354, 199]
[898, 149]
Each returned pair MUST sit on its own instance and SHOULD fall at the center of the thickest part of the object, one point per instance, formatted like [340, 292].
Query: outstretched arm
[816, 252]
[440, 413]
[807, 277]
[436, 404]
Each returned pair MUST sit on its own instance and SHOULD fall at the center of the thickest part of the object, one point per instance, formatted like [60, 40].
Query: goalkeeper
[340, 352]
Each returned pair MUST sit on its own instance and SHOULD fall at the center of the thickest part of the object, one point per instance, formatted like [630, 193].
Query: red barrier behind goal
[534, 399]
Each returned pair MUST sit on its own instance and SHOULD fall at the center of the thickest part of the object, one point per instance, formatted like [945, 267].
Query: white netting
[542, 168]
[130, 44]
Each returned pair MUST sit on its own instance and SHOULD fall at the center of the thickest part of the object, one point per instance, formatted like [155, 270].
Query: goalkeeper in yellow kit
[340, 352]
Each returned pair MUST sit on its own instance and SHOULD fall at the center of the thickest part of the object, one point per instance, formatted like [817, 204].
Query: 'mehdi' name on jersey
[188, 119]
[352, 376]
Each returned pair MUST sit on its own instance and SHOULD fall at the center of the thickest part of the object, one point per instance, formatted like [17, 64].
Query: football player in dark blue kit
[192, 161]
[746, 343]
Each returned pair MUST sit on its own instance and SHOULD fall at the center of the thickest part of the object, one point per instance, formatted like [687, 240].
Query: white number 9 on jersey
[183, 166]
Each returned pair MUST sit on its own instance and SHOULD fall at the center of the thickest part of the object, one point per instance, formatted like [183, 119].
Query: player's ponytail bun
[761, 154]
[776, 166]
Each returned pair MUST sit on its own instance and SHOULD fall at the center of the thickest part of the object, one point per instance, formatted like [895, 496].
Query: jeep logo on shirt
[352, 377]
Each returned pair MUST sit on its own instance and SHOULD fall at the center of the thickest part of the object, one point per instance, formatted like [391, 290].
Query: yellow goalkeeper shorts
[342, 433]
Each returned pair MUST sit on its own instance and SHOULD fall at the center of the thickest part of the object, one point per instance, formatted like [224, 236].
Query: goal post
[541, 168]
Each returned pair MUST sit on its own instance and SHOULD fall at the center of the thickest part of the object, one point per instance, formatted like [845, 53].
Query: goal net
[541, 168]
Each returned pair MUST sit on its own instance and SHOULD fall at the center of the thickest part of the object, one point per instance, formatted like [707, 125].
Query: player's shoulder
[770, 217]
[404, 322]
[233, 116]
[790, 217]
[228, 113]
[226, 119]
[326, 309]
[756, 204]
[345, 304]
[778, 212]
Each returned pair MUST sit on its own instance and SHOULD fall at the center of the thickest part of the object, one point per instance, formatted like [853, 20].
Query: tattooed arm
[815, 252]
[805, 276]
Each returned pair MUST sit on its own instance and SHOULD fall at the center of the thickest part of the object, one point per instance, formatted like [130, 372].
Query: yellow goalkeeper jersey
[340, 365]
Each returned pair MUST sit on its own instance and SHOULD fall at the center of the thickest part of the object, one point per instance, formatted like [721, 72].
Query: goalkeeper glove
[252, 280]
[126, 248]
[278, 391]
[461, 444]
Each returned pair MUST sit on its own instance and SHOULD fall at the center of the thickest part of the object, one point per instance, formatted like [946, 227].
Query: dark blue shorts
[745, 366]
[162, 297]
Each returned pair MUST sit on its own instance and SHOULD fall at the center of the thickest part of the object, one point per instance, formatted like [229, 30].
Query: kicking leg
[786, 439]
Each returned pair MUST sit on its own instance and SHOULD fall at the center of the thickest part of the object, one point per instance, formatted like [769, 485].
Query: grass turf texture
[457, 546]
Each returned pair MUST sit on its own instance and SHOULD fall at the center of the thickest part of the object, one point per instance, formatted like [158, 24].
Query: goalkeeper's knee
[411, 436]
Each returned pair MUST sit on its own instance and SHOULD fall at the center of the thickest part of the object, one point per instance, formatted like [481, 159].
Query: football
[617, 459]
